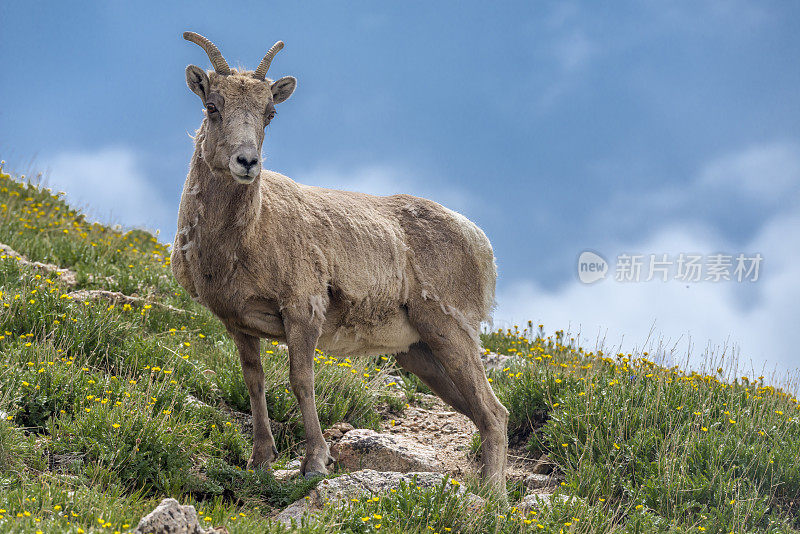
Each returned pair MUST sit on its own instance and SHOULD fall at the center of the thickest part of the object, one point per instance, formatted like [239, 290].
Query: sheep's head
[239, 106]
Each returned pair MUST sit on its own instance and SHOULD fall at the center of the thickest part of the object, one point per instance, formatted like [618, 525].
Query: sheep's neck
[226, 217]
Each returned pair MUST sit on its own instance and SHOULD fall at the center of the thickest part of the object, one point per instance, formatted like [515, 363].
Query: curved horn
[219, 63]
[261, 72]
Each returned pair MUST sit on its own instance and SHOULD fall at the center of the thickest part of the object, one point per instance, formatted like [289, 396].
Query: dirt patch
[447, 432]
[430, 421]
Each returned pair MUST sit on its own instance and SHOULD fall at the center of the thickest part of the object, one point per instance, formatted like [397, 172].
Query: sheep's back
[349, 239]
[377, 252]
[450, 255]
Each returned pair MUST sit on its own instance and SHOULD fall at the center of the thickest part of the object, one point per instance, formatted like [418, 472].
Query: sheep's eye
[270, 115]
[211, 107]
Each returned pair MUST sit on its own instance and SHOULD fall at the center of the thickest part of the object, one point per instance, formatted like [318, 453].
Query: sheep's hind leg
[301, 339]
[264, 451]
[419, 359]
[459, 355]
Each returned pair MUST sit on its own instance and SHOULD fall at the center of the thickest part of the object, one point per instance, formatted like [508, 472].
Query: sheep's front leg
[301, 339]
[264, 451]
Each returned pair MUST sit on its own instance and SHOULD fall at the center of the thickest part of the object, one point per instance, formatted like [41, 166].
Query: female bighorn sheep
[349, 272]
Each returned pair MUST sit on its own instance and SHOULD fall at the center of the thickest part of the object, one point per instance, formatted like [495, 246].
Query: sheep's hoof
[316, 467]
[253, 463]
[262, 458]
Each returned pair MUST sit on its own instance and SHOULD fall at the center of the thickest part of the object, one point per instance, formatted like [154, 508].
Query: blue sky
[646, 127]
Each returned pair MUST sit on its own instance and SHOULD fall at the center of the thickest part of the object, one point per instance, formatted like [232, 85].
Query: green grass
[691, 451]
[94, 395]
[108, 409]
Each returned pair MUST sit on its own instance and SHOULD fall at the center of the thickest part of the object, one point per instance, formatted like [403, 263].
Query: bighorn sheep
[349, 272]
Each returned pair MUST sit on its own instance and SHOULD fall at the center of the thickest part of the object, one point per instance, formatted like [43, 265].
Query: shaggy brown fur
[347, 272]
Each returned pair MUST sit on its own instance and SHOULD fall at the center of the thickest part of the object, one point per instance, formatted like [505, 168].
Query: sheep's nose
[246, 161]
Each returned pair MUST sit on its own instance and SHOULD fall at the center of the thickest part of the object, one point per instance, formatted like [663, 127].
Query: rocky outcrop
[394, 381]
[170, 517]
[539, 481]
[67, 277]
[497, 362]
[357, 484]
[115, 297]
[282, 475]
[293, 464]
[336, 431]
[543, 466]
[386, 452]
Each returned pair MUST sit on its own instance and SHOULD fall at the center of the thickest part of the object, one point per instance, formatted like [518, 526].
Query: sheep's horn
[219, 63]
[263, 67]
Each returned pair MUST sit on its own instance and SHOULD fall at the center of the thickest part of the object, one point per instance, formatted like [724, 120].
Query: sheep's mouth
[244, 179]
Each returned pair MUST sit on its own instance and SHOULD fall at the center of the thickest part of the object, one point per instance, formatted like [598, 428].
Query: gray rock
[538, 481]
[494, 362]
[497, 362]
[394, 381]
[332, 434]
[293, 514]
[369, 481]
[386, 452]
[170, 517]
[358, 484]
[282, 475]
[293, 464]
[543, 466]
[343, 427]
[337, 430]
[115, 297]
[67, 277]
[191, 400]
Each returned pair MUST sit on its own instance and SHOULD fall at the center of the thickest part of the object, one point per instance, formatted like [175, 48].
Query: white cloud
[756, 181]
[109, 184]
[766, 172]
[678, 317]
[702, 312]
[759, 318]
[385, 180]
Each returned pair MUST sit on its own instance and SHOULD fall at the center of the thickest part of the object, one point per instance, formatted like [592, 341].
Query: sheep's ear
[283, 88]
[197, 80]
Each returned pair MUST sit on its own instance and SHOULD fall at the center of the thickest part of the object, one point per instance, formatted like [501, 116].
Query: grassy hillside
[108, 407]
